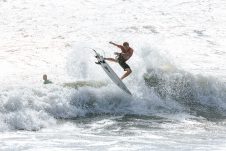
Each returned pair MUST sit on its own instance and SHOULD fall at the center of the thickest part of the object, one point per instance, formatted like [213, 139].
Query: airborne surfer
[122, 57]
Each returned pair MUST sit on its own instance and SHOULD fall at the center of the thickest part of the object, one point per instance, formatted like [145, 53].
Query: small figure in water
[122, 57]
[46, 81]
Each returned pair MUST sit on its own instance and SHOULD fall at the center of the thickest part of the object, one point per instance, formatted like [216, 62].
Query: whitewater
[178, 83]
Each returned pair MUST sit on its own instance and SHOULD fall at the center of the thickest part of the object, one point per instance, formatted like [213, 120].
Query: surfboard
[109, 71]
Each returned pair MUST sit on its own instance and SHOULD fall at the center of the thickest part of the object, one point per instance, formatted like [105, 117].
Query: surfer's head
[45, 77]
[126, 45]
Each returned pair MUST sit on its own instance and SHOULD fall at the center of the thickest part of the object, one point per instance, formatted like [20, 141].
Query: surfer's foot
[98, 62]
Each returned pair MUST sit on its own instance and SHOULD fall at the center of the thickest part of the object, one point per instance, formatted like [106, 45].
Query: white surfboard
[111, 73]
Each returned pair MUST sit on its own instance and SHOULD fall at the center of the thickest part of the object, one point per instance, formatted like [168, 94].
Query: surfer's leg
[128, 72]
[110, 59]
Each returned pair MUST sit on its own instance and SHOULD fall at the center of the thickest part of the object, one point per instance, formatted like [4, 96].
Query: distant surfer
[122, 57]
[46, 81]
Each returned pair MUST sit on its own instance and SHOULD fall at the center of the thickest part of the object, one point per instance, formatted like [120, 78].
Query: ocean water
[178, 80]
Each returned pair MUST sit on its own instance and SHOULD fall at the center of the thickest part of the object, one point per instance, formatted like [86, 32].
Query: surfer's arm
[115, 44]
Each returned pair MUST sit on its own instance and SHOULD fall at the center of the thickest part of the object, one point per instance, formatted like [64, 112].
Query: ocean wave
[32, 108]
[204, 96]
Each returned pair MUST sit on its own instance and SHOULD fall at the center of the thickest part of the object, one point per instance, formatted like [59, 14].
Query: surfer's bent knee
[128, 70]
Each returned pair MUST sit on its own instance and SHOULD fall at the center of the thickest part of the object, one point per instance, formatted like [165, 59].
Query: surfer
[46, 81]
[122, 57]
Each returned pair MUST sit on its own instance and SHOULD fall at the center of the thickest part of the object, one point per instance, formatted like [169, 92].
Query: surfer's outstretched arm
[115, 44]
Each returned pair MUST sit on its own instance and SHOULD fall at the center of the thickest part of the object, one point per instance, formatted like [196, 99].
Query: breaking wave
[160, 90]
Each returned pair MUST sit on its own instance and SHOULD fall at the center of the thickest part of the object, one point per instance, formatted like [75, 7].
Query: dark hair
[44, 76]
[125, 44]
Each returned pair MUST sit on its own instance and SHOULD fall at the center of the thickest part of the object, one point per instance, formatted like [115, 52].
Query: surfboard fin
[98, 62]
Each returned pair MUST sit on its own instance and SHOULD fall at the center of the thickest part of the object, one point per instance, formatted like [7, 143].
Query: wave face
[200, 95]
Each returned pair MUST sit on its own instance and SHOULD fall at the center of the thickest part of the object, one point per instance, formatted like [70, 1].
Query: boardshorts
[122, 62]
